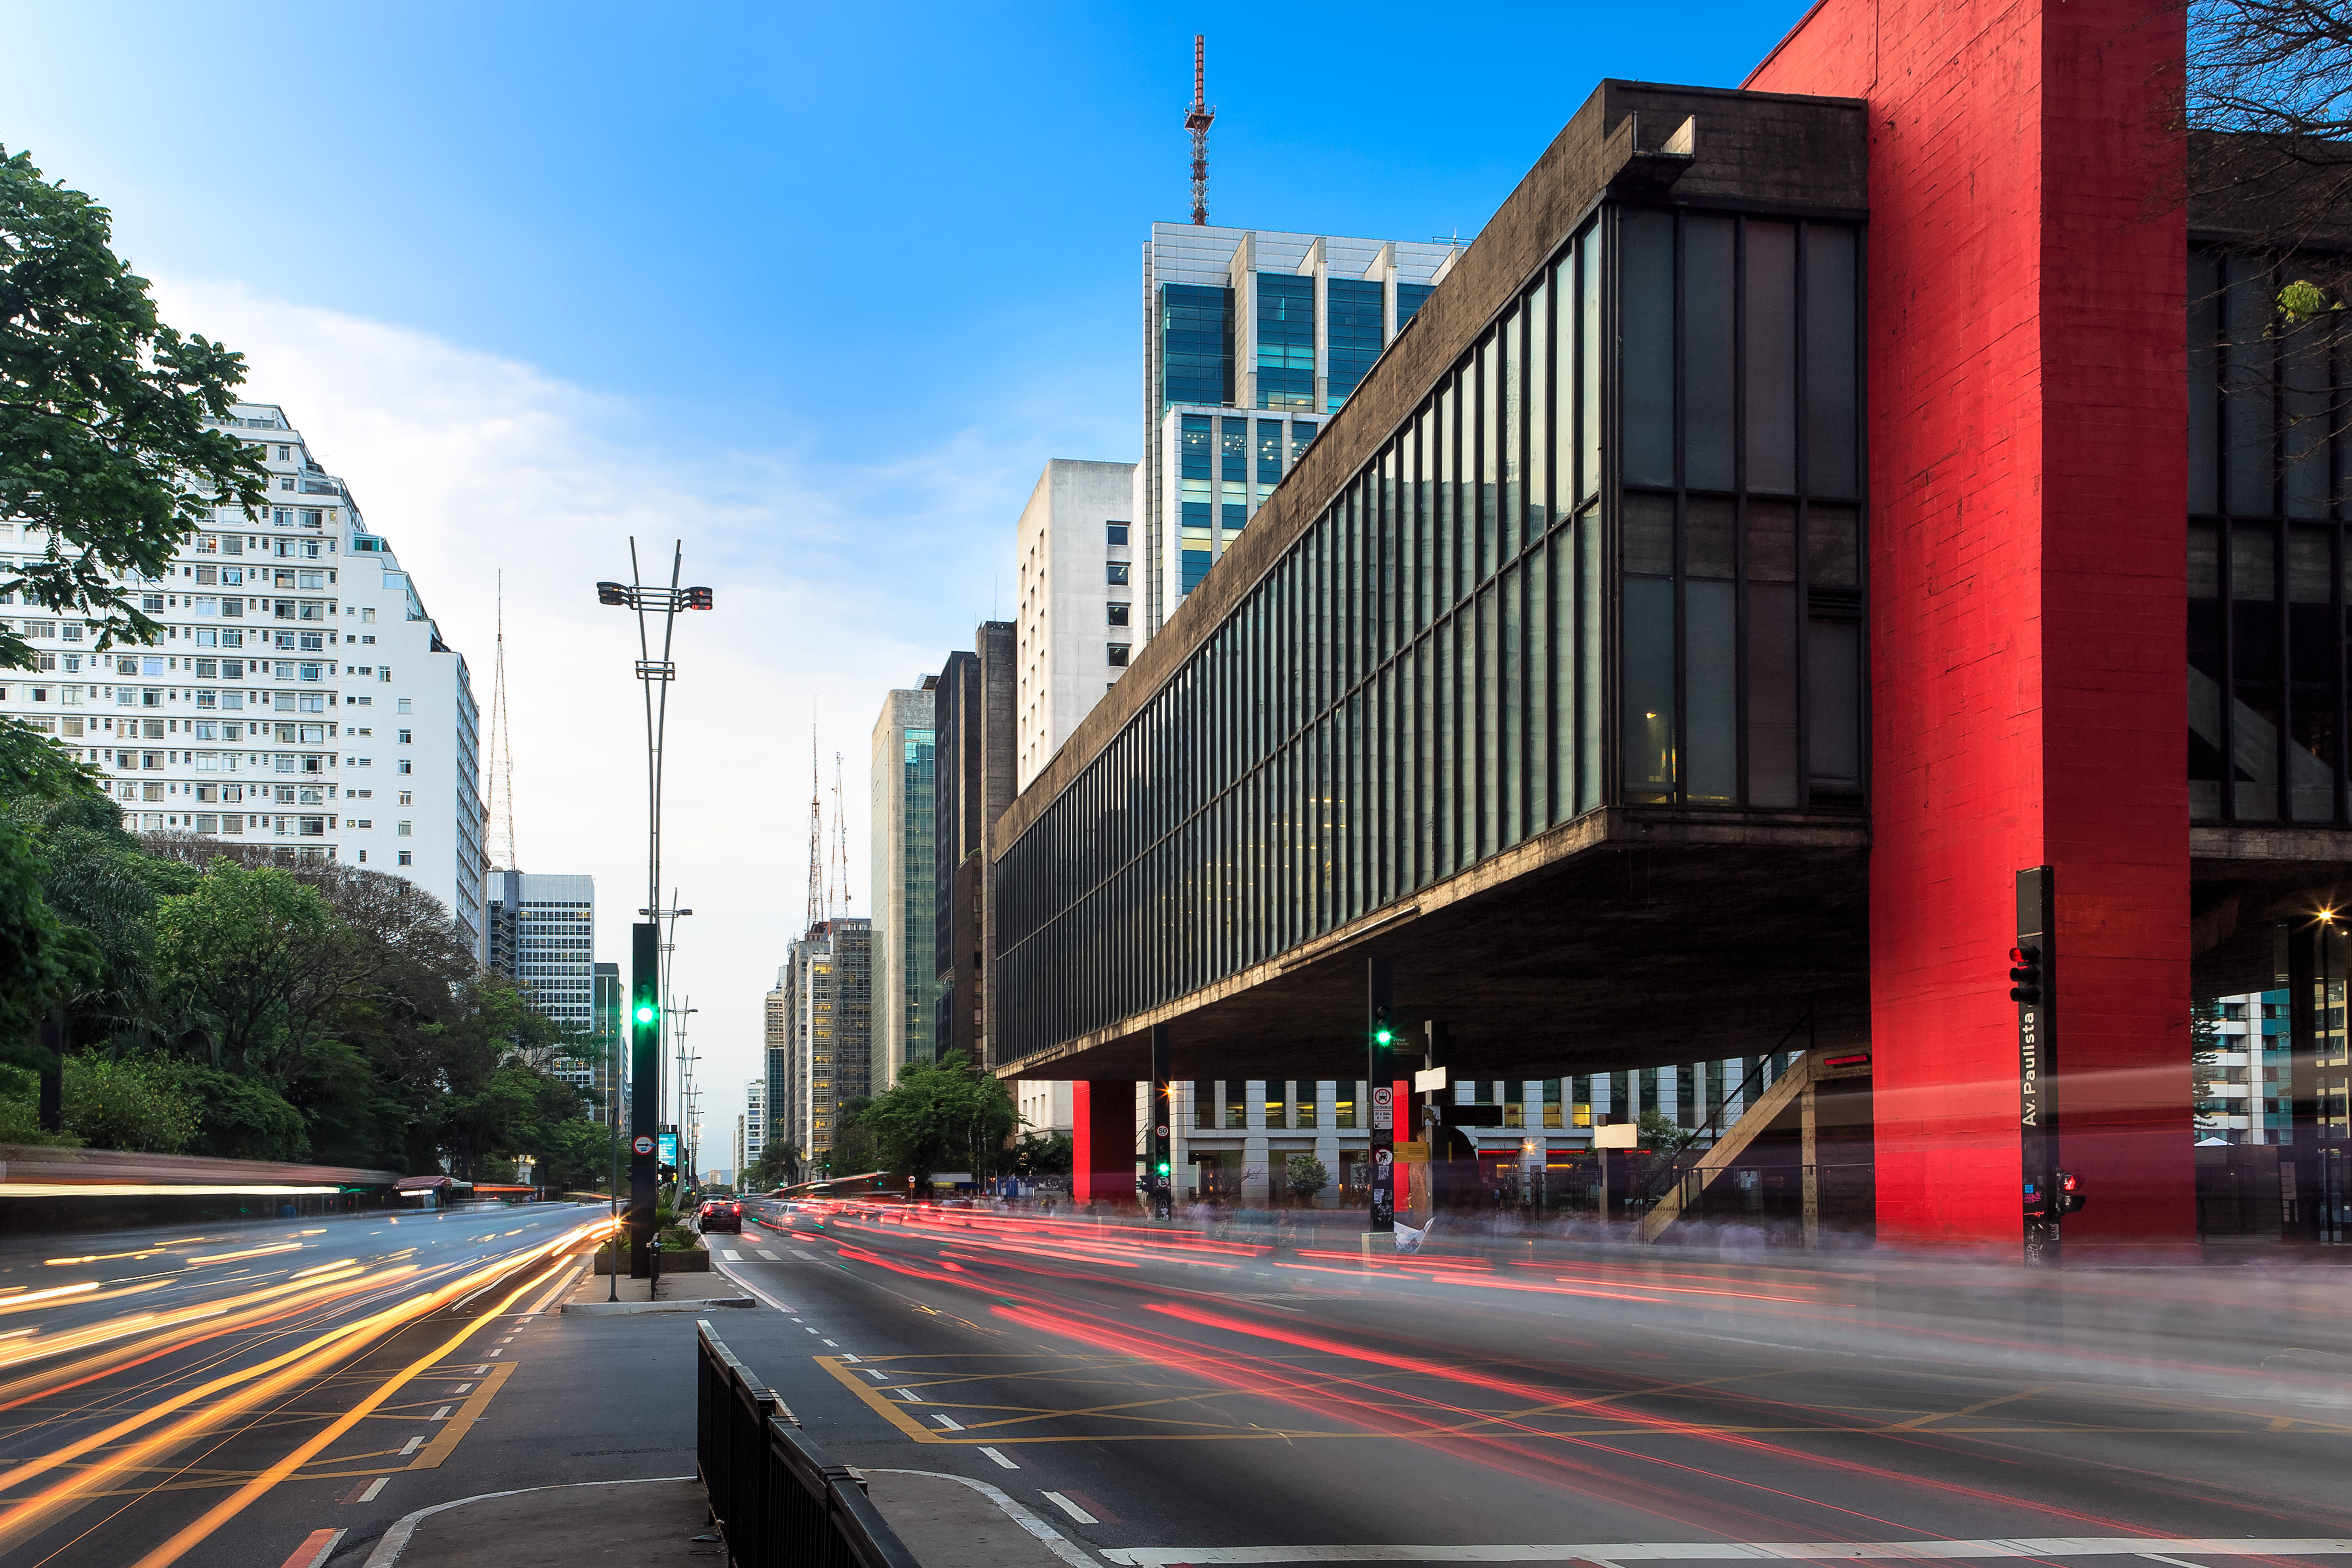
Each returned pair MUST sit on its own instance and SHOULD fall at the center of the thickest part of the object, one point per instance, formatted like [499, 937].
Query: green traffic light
[647, 1013]
[1382, 1036]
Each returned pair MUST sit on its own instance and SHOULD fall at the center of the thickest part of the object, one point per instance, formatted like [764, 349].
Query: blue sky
[818, 288]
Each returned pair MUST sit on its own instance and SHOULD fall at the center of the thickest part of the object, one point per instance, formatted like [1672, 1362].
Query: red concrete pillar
[1102, 1164]
[2029, 498]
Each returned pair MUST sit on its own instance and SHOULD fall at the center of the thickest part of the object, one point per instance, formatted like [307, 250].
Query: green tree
[135, 1102]
[1305, 1175]
[942, 1116]
[42, 959]
[1043, 1154]
[104, 450]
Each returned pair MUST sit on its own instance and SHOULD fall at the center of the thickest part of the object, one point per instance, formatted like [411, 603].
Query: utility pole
[654, 675]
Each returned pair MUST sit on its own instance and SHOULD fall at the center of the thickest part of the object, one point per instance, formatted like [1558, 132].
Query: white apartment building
[261, 717]
[1077, 623]
[1045, 1105]
[753, 1140]
[1252, 340]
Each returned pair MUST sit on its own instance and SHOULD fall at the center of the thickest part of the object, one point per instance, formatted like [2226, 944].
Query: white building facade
[246, 721]
[1252, 340]
[754, 1123]
[1077, 625]
[903, 774]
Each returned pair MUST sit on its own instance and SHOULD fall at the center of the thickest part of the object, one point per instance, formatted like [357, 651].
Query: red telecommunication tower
[1197, 120]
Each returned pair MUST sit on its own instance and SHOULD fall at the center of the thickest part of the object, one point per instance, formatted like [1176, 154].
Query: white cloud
[832, 584]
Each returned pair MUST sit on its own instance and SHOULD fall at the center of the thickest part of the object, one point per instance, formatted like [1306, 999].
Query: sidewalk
[593, 1297]
[945, 1522]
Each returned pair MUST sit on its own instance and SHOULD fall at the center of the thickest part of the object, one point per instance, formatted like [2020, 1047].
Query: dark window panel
[1706, 360]
[1646, 289]
[1832, 373]
[1769, 372]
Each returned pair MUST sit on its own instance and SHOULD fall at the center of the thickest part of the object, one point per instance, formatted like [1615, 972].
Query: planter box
[671, 1262]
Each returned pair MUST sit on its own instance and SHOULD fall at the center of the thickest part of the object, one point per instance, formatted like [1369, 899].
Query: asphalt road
[1186, 1399]
[218, 1397]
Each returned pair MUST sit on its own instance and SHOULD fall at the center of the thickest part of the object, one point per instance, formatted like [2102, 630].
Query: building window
[1196, 344]
[1117, 532]
[1117, 573]
[404, 831]
[1354, 338]
[1286, 341]
[1118, 652]
[1117, 615]
[407, 858]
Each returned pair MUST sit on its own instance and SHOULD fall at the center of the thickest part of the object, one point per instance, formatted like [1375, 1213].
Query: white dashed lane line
[771, 1257]
[950, 1423]
[1073, 1510]
[1000, 1458]
[804, 1257]
[731, 1257]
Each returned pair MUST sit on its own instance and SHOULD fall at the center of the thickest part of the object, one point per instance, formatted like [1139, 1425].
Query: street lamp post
[646, 979]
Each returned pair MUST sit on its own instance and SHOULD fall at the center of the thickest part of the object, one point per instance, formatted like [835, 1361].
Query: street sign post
[1380, 1069]
[2032, 987]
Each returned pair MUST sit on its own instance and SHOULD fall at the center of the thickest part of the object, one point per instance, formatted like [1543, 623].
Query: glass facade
[1424, 678]
[1741, 542]
[918, 788]
[1197, 519]
[2270, 487]
[1196, 344]
[1408, 299]
[1286, 341]
[1354, 337]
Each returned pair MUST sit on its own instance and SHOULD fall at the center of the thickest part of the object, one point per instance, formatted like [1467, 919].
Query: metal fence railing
[777, 1499]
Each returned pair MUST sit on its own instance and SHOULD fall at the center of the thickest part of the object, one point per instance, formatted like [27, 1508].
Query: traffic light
[2025, 974]
[612, 593]
[1383, 1032]
[648, 1010]
[698, 598]
[1161, 1167]
[2070, 1194]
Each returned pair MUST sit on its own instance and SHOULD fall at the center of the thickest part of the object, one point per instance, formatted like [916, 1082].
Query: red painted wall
[2029, 493]
[1102, 1141]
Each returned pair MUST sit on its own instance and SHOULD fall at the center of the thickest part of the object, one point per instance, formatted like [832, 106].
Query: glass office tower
[1253, 339]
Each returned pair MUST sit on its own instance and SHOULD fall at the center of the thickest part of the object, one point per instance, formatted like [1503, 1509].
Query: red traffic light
[2025, 973]
[698, 598]
[612, 593]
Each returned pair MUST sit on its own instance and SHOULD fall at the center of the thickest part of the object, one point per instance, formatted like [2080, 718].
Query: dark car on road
[720, 1216]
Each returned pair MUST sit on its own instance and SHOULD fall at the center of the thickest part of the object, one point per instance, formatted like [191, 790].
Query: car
[718, 1216]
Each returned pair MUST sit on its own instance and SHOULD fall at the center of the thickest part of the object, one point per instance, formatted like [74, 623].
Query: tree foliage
[103, 408]
[318, 1013]
[942, 1116]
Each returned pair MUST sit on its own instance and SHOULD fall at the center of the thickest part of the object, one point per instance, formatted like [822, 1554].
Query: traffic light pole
[1380, 1069]
[646, 969]
[1159, 1179]
[2033, 975]
[644, 1090]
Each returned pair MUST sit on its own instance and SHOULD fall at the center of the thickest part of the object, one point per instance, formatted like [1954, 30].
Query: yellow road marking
[893, 1414]
[1918, 1421]
[429, 1458]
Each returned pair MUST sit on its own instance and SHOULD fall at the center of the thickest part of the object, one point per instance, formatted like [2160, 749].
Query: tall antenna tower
[1197, 121]
[837, 894]
[816, 839]
[501, 764]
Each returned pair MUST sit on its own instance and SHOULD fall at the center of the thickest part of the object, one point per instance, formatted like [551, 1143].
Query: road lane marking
[873, 1371]
[833, 1344]
[1740, 1551]
[948, 1423]
[1000, 1458]
[442, 1414]
[771, 1256]
[1067, 1506]
[731, 1257]
[447, 1438]
[1060, 1545]
[889, 1410]
[804, 1257]
[412, 1446]
[316, 1548]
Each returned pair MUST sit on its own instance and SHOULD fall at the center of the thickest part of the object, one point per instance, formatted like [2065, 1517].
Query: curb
[395, 1540]
[1060, 1545]
[616, 1308]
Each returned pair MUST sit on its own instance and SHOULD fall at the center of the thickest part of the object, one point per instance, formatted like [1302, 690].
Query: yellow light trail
[249, 1252]
[171, 1551]
[18, 1303]
[245, 1389]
